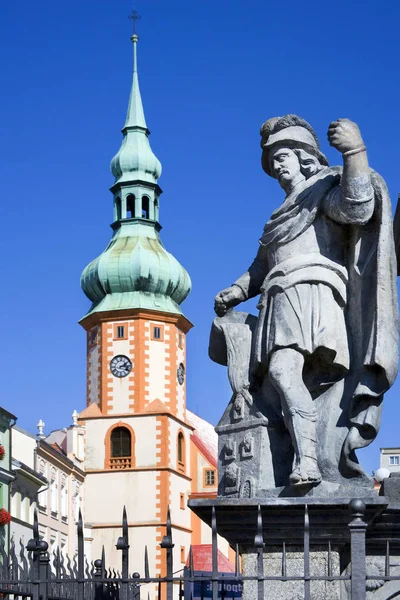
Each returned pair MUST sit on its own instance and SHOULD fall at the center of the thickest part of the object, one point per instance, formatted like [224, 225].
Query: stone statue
[312, 368]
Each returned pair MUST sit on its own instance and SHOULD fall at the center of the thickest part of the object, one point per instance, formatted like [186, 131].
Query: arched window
[181, 452]
[130, 206]
[120, 447]
[53, 491]
[64, 498]
[117, 209]
[145, 207]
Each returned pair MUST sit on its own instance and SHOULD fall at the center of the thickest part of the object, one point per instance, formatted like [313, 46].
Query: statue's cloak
[372, 310]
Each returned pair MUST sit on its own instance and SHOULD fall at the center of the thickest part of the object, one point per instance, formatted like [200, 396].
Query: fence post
[44, 575]
[136, 586]
[214, 554]
[37, 547]
[123, 545]
[306, 554]
[259, 544]
[98, 587]
[167, 544]
[358, 528]
[81, 559]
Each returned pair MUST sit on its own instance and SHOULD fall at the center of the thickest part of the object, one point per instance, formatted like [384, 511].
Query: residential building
[390, 459]
[59, 458]
[25, 486]
[7, 422]
[204, 483]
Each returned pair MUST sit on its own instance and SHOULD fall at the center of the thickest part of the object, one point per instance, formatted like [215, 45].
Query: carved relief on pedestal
[232, 478]
[247, 446]
[229, 452]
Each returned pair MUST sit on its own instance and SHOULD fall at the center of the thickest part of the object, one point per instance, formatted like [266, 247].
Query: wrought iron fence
[32, 573]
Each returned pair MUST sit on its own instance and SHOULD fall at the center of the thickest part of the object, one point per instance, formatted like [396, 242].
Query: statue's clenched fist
[344, 135]
[227, 299]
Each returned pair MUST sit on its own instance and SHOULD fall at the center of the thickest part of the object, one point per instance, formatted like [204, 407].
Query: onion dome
[135, 271]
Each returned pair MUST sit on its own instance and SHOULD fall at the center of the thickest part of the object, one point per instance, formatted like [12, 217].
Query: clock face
[181, 374]
[120, 366]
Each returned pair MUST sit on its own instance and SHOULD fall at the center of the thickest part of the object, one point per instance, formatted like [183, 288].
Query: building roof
[202, 560]
[25, 432]
[57, 452]
[204, 437]
[18, 465]
[7, 414]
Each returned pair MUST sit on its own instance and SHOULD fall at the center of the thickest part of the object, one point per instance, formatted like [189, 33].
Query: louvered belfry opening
[121, 449]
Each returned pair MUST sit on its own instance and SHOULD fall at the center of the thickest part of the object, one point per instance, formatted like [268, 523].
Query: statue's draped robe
[365, 288]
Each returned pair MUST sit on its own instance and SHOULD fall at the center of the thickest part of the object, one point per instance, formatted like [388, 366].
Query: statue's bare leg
[286, 375]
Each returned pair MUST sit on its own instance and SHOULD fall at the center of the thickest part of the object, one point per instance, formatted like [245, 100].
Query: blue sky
[210, 73]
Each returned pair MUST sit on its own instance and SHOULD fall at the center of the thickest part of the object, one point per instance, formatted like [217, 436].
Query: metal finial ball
[136, 575]
[97, 563]
[357, 505]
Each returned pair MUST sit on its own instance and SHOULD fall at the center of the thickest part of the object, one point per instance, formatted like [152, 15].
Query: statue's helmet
[291, 131]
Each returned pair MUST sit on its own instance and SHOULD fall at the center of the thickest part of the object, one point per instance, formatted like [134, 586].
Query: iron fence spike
[387, 559]
[329, 559]
[35, 525]
[306, 554]
[146, 564]
[214, 554]
[191, 569]
[168, 521]
[237, 561]
[284, 559]
[259, 539]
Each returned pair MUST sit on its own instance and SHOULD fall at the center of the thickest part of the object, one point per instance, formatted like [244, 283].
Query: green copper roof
[135, 271]
[135, 158]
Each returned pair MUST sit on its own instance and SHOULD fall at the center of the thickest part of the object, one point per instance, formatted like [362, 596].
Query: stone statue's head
[293, 135]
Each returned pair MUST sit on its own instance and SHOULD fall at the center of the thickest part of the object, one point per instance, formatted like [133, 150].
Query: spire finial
[134, 17]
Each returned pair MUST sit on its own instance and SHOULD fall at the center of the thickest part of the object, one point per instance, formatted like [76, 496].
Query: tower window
[93, 337]
[180, 340]
[157, 332]
[145, 207]
[393, 460]
[181, 452]
[117, 209]
[130, 206]
[120, 331]
[120, 449]
[209, 477]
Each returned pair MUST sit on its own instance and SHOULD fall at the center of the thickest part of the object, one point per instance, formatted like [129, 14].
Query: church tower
[137, 440]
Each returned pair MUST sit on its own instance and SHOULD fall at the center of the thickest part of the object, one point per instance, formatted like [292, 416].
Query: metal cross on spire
[134, 17]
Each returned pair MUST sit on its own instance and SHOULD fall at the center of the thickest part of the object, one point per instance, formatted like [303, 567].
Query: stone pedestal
[288, 530]
[294, 559]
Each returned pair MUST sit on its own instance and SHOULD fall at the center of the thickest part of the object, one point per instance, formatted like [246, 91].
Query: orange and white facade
[150, 404]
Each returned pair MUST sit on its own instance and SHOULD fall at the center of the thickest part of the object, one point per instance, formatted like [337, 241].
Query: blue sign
[228, 589]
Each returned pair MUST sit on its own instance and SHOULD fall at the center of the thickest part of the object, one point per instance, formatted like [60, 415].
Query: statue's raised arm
[354, 202]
